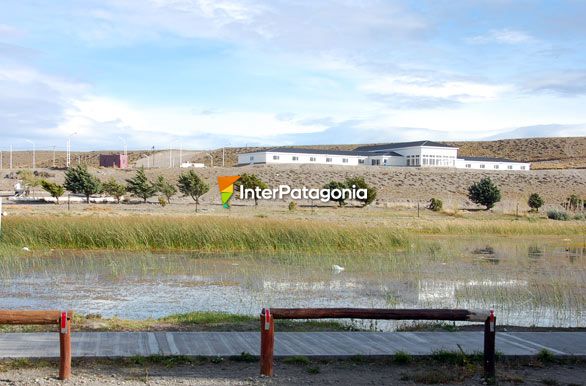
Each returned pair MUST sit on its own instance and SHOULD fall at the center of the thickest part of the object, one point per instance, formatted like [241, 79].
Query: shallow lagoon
[530, 281]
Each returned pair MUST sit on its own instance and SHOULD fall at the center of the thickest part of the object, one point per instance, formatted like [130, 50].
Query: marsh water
[529, 281]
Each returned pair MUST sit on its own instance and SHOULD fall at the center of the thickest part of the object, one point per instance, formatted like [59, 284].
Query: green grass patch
[299, 360]
[401, 357]
[546, 356]
[207, 317]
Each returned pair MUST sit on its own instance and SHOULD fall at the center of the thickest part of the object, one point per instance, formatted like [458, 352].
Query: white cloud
[96, 119]
[416, 86]
[301, 25]
[504, 36]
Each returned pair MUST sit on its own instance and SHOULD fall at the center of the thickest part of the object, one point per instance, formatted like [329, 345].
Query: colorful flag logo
[226, 185]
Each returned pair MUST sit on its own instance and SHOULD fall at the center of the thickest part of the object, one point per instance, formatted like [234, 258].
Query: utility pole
[170, 157]
[54, 157]
[32, 143]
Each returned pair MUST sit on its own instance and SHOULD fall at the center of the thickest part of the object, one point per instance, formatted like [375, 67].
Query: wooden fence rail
[267, 326]
[61, 319]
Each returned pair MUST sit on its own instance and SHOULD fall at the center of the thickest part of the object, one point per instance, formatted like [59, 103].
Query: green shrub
[545, 356]
[555, 214]
[297, 360]
[402, 357]
[55, 190]
[535, 202]
[359, 183]
[435, 204]
[292, 205]
[484, 192]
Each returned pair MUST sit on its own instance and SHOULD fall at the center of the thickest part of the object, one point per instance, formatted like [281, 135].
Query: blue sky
[210, 73]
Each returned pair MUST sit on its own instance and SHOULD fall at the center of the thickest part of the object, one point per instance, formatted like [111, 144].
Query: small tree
[140, 186]
[356, 183]
[165, 188]
[190, 184]
[55, 190]
[484, 192]
[114, 189]
[29, 180]
[573, 202]
[435, 204]
[78, 180]
[336, 185]
[535, 202]
[251, 181]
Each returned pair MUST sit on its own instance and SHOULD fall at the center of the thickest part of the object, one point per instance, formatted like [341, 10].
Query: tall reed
[196, 233]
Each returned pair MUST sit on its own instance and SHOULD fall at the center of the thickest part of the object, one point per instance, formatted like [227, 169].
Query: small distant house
[119, 161]
[191, 165]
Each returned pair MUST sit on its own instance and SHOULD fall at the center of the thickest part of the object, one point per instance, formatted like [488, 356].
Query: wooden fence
[267, 326]
[61, 319]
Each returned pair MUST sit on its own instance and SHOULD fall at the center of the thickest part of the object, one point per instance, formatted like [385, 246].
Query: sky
[210, 73]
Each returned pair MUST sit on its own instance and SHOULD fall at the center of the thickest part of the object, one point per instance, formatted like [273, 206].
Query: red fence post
[267, 342]
[65, 345]
[489, 346]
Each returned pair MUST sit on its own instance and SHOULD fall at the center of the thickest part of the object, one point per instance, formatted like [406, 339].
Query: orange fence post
[267, 342]
[65, 345]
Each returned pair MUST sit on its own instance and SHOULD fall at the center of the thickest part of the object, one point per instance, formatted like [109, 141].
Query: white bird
[337, 269]
[26, 249]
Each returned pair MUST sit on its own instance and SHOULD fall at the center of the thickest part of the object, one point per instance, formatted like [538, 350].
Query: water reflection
[546, 289]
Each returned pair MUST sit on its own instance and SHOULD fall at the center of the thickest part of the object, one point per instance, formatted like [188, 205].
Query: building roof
[400, 145]
[328, 152]
[490, 159]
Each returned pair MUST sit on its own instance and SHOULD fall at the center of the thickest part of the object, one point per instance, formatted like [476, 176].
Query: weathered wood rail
[61, 319]
[268, 316]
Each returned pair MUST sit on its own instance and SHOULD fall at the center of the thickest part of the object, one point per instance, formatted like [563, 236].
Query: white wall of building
[300, 158]
[491, 165]
[422, 156]
[385, 160]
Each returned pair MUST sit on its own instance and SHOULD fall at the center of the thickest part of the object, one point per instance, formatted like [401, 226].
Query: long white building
[412, 154]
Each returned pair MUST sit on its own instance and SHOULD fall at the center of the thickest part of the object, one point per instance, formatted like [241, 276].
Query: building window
[523, 167]
[252, 158]
[482, 166]
[510, 167]
[345, 160]
[275, 157]
[312, 159]
[295, 158]
[496, 166]
[361, 161]
[408, 161]
[375, 162]
[328, 160]
[468, 166]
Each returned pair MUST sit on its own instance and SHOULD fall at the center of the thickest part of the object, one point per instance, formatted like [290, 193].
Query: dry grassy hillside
[543, 153]
[395, 185]
[44, 158]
